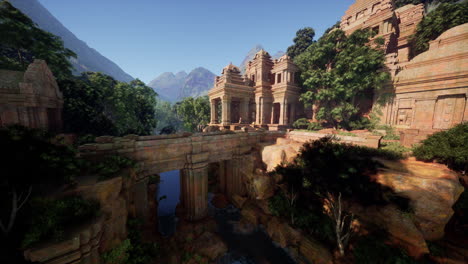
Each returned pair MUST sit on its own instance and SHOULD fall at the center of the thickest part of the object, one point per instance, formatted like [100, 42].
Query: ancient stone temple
[267, 95]
[31, 98]
[428, 93]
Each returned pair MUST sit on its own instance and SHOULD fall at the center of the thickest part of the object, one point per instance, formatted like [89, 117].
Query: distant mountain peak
[175, 87]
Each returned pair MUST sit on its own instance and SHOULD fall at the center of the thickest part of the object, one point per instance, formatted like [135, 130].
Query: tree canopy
[444, 17]
[22, 41]
[304, 38]
[97, 104]
[194, 112]
[339, 71]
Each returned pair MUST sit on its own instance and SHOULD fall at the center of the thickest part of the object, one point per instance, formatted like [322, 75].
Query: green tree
[97, 104]
[444, 17]
[194, 112]
[449, 147]
[30, 162]
[340, 71]
[168, 121]
[304, 38]
[22, 41]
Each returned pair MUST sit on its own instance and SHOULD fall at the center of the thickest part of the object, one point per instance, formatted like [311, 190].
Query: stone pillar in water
[194, 190]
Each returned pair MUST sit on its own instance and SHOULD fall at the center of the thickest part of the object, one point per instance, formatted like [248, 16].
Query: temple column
[234, 178]
[281, 118]
[226, 111]
[213, 111]
[286, 112]
[272, 119]
[194, 189]
[244, 110]
[258, 119]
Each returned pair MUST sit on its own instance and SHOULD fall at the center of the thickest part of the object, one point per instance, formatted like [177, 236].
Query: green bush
[308, 216]
[314, 126]
[108, 167]
[51, 218]
[141, 252]
[390, 133]
[444, 17]
[449, 147]
[328, 166]
[395, 147]
[119, 254]
[301, 123]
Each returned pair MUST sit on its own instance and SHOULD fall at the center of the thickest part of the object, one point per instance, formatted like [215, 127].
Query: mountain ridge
[88, 59]
[174, 87]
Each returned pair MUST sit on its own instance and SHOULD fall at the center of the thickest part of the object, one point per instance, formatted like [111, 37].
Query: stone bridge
[191, 154]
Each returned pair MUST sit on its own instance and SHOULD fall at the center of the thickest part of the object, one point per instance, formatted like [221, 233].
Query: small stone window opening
[279, 78]
[375, 30]
[253, 77]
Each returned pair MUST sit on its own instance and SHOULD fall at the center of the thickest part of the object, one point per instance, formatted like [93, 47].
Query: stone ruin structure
[31, 98]
[267, 95]
[428, 93]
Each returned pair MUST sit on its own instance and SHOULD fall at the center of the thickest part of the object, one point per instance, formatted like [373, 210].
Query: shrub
[301, 123]
[141, 252]
[108, 167]
[390, 133]
[119, 254]
[51, 218]
[395, 147]
[444, 17]
[328, 166]
[449, 147]
[314, 126]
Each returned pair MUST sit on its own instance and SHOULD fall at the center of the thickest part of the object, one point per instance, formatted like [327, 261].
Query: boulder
[283, 233]
[209, 245]
[432, 189]
[238, 201]
[398, 224]
[209, 129]
[314, 252]
[113, 206]
[284, 151]
[262, 187]
[251, 213]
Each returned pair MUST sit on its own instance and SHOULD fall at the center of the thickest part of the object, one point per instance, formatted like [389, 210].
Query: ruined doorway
[276, 113]
[449, 111]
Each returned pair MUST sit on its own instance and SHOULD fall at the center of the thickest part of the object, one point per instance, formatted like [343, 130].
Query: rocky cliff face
[174, 87]
[88, 58]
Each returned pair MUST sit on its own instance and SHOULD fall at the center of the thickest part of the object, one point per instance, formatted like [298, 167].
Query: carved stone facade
[428, 93]
[266, 95]
[31, 98]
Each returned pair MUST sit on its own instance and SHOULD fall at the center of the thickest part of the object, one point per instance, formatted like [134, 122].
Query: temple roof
[231, 68]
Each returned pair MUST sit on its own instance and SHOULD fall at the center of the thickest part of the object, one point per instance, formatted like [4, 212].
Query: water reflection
[254, 247]
[169, 188]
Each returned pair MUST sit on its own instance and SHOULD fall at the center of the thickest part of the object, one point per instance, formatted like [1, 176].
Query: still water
[254, 247]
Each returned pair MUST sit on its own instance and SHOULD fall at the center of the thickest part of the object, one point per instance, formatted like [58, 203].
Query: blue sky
[149, 37]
